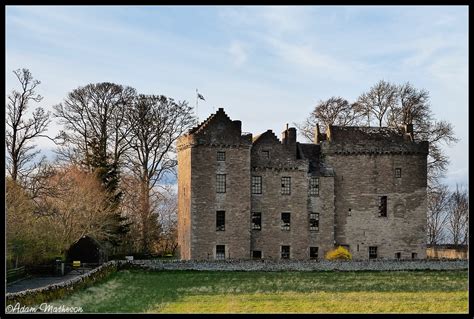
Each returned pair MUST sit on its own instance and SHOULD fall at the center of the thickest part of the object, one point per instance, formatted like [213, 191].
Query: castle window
[414, 255]
[285, 252]
[266, 154]
[220, 220]
[220, 251]
[373, 252]
[256, 184]
[285, 221]
[221, 156]
[398, 255]
[314, 221]
[398, 172]
[256, 254]
[314, 186]
[286, 185]
[313, 252]
[256, 221]
[383, 206]
[220, 183]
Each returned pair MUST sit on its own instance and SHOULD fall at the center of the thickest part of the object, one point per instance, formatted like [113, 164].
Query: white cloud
[238, 53]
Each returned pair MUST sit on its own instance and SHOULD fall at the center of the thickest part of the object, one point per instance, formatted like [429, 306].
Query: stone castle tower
[241, 197]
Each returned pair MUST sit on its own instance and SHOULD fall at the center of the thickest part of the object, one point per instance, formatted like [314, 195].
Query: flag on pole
[201, 97]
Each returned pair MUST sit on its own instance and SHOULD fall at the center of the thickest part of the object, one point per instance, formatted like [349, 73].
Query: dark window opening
[398, 172]
[313, 252]
[256, 184]
[398, 255]
[383, 206]
[286, 185]
[373, 252]
[257, 254]
[314, 221]
[414, 255]
[266, 154]
[220, 220]
[256, 221]
[220, 251]
[220, 183]
[285, 252]
[221, 156]
[285, 221]
[314, 186]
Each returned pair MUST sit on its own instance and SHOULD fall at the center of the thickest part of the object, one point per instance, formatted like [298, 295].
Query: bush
[340, 253]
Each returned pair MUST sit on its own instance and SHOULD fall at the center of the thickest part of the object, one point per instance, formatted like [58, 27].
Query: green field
[135, 291]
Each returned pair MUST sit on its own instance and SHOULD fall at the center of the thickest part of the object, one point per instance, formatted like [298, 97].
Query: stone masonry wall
[282, 162]
[184, 203]
[359, 181]
[235, 201]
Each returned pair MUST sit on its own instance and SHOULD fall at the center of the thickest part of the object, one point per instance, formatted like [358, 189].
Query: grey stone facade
[353, 168]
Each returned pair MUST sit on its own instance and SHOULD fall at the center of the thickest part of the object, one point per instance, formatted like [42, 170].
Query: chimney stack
[288, 136]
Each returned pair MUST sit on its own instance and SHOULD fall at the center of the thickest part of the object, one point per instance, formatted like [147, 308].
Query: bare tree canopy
[22, 129]
[95, 113]
[74, 206]
[333, 111]
[459, 216]
[394, 106]
[382, 97]
[438, 203]
[156, 123]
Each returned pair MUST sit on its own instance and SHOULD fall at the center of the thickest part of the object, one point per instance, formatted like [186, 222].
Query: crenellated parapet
[354, 140]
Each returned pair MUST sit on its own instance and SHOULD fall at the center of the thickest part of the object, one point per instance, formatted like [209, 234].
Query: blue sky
[267, 66]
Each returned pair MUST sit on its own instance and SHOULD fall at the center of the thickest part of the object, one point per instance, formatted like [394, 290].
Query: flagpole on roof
[197, 114]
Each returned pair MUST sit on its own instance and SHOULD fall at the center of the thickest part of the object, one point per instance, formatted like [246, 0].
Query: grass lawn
[135, 291]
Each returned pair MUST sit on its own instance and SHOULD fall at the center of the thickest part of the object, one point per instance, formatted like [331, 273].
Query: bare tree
[156, 124]
[21, 130]
[414, 108]
[397, 106]
[438, 203]
[74, 207]
[95, 114]
[382, 97]
[333, 111]
[168, 208]
[459, 216]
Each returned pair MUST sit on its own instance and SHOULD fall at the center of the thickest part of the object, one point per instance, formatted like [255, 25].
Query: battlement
[371, 140]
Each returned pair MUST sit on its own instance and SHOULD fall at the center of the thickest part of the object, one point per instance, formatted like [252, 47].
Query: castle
[244, 197]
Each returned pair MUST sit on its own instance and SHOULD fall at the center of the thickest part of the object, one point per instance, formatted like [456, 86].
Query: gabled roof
[267, 136]
[220, 114]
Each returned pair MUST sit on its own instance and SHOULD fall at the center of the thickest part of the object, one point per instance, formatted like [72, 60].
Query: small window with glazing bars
[286, 185]
[220, 183]
[285, 221]
[314, 221]
[314, 186]
[257, 221]
[221, 156]
[220, 220]
[256, 184]
[220, 251]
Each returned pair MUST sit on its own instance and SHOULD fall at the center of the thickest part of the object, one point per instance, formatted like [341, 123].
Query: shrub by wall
[340, 253]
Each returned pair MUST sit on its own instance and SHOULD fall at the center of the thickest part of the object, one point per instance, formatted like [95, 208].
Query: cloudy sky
[267, 66]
